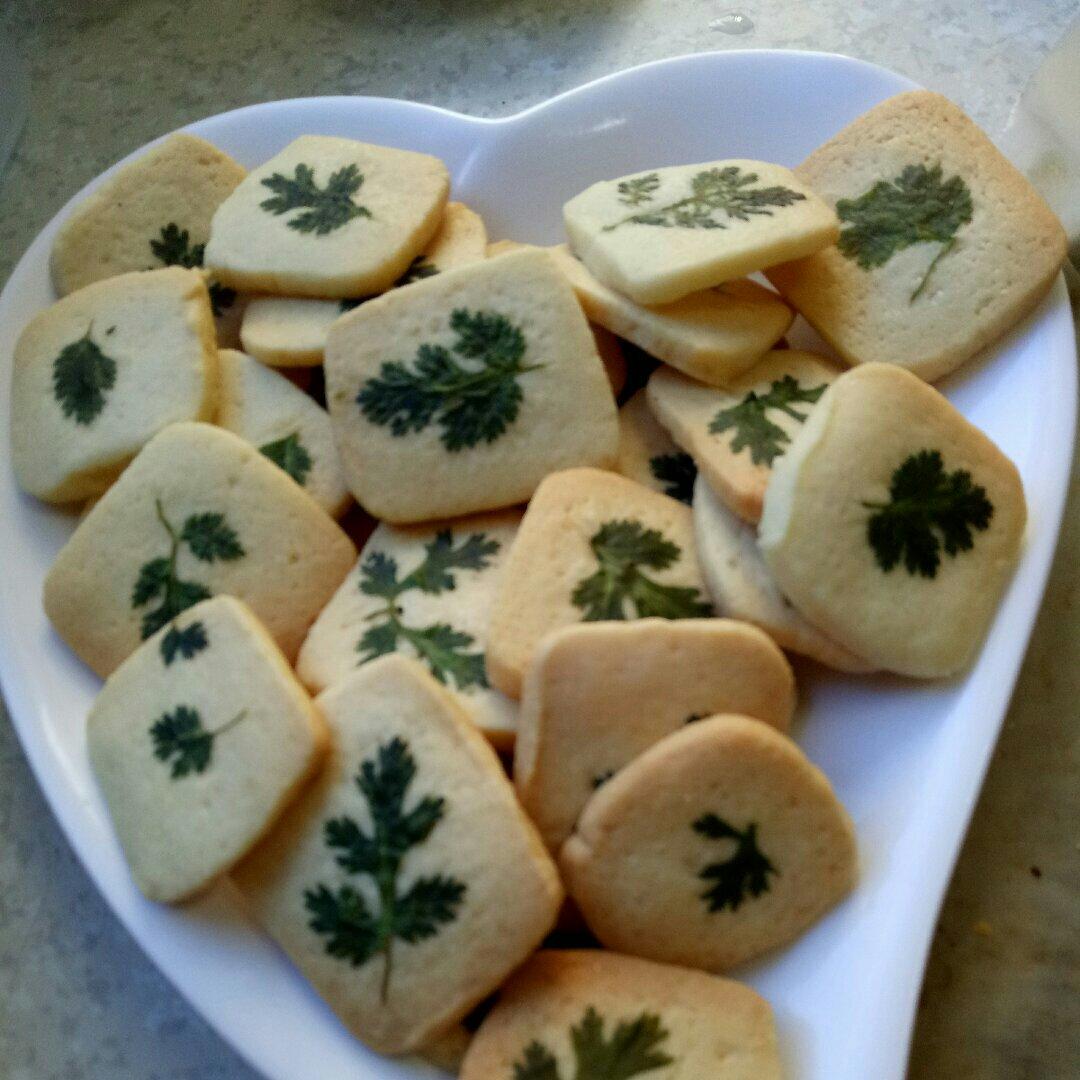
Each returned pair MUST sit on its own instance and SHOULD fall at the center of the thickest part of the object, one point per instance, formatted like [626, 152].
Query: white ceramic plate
[907, 759]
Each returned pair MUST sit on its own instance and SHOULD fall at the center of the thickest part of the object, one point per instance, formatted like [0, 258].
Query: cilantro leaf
[210, 538]
[925, 501]
[472, 404]
[326, 209]
[379, 576]
[538, 1064]
[179, 596]
[81, 375]
[622, 548]
[184, 642]
[174, 247]
[152, 580]
[221, 298]
[678, 472]
[638, 189]
[421, 267]
[353, 931]
[716, 197]
[442, 648]
[753, 428]
[916, 207]
[291, 455]
[179, 737]
[433, 574]
[746, 871]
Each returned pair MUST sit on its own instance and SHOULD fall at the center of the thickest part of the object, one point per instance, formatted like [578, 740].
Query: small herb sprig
[291, 455]
[325, 209]
[174, 248]
[924, 501]
[677, 472]
[184, 643]
[745, 873]
[353, 931]
[181, 737]
[620, 589]
[440, 646]
[638, 189]
[81, 375]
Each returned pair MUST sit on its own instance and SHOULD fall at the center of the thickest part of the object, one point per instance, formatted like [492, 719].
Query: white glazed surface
[906, 759]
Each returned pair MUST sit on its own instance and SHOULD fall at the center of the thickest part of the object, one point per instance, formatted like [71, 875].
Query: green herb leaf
[181, 738]
[210, 538]
[633, 1049]
[421, 267]
[184, 643]
[152, 580]
[291, 455]
[745, 872]
[753, 429]
[353, 931]
[677, 472]
[174, 248]
[925, 501]
[221, 298]
[327, 208]
[917, 207]
[472, 404]
[81, 375]
[620, 590]
[639, 189]
[717, 196]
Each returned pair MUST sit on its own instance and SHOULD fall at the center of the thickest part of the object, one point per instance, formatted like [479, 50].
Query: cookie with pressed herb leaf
[199, 512]
[719, 843]
[267, 410]
[648, 454]
[198, 741]
[660, 235]
[597, 695]
[287, 331]
[736, 433]
[328, 217]
[943, 245]
[151, 212]
[592, 1015]
[461, 392]
[593, 546]
[425, 591]
[894, 524]
[741, 586]
[97, 374]
[406, 883]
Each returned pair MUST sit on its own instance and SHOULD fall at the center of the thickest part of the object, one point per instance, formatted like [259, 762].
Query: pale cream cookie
[718, 844]
[198, 741]
[894, 524]
[649, 455]
[460, 393]
[99, 373]
[406, 883]
[597, 695]
[593, 546]
[198, 512]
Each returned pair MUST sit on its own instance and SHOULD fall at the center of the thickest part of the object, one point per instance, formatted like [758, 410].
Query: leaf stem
[174, 551]
[945, 249]
[229, 723]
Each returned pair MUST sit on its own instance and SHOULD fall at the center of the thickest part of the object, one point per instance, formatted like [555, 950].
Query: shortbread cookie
[461, 239]
[741, 586]
[328, 217]
[425, 591]
[198, 512]
[648, 454]
[943, 244]
[265, 409]
[595, 696]
[406, 883]
[595, 1015]
[593, 546]
[736, 434]
[661, 235]
[154, 211]
[99, 373]
[894, 524]
[460, 393]
[198, 741]
[713, 335]
[718, 844]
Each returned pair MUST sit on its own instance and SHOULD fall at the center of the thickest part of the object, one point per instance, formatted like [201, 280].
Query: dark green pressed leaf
[183, 642]
[81, 376]
[322, 209]
[744, 873]
[291, 455]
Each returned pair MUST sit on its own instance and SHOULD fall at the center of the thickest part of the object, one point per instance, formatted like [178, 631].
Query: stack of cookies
[548, 703]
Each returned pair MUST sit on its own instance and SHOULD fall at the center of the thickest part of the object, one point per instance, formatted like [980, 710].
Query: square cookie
[737, 433]
[943, 245]
[198, 741]
[893, 524]
[593, 546]
[425, 591]
[649, 456]
[460, 393]
[593, 1015]
[198, 512]
[99, 373]
[660, 235]
[328, 217]
[269, 411]
[406, 883]
[599, 694]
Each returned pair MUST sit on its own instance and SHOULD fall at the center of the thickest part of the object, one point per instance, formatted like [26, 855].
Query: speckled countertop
[77, 997]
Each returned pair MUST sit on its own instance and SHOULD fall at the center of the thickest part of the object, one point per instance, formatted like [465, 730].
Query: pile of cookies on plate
[597, 494]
